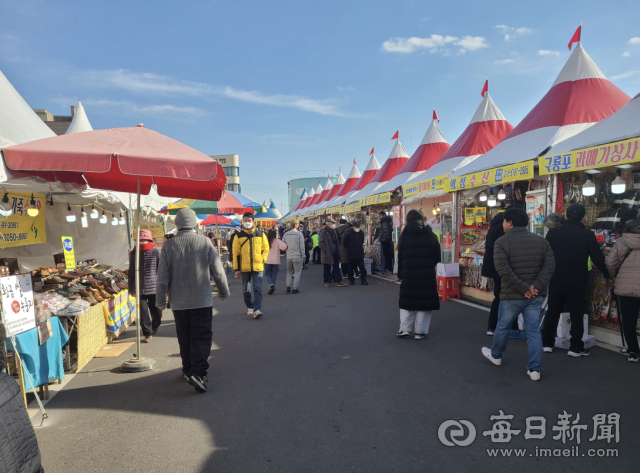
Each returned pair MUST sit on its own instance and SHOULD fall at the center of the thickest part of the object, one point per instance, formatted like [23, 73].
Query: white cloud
[154, 84]
[343, 89]
[510, 32]
[626, 54]
[635, 40]
[434, 44]
[625, 75]
[545, 52]
[131, 108]
[503, 61]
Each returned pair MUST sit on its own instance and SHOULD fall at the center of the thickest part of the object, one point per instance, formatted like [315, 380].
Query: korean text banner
[117, 310]
[425, 186]
[376, 199]
[17, 304]
[491, 177]
[18, 229]
[351, 208]
[612, 154]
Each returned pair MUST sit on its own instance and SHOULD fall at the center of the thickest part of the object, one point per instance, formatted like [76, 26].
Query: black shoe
[199, 382]
[579, 353]
[352, 282]
[295, 291]
[288, 289]
[364, 283]
[305, 266]
[632, 357]
[271, 289]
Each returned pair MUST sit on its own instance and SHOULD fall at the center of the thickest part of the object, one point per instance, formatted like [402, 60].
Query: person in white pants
[421, 318]
[295, 257]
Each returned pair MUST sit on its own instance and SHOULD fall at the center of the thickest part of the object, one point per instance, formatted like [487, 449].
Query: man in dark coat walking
[354, 246]
[386, 241]
[572, 246]
[418, 255]
[330, 253]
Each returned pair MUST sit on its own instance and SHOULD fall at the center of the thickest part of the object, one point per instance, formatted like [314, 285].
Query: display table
[97, 327]
[40, 363]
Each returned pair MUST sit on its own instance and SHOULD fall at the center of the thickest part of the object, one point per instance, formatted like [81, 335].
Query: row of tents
[580, 97]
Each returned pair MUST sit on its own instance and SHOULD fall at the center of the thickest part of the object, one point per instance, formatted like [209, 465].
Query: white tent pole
[137, 243]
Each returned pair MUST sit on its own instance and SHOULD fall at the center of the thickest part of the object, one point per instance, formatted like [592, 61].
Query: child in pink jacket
[272, 264]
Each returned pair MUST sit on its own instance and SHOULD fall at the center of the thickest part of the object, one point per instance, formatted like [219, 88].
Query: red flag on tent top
[485, 88]
[576, 37]
[395, 137]
[435, 116]
[369, 155]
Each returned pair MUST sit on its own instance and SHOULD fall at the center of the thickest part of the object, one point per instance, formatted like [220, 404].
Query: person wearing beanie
[250, 252]
[187, 263]
[572, 244]
[150, 315]
[353, 242]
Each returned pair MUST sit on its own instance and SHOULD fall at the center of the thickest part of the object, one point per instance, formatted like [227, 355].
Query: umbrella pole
[138, 363]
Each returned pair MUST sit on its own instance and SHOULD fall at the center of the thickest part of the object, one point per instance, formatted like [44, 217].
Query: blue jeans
[333, 270]
[271, 273]
[508, 312]
[256, 282]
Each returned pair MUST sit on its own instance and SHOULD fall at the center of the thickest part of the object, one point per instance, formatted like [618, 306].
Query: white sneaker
[249, 311]
[402, 333]
[257, 314]
[548, 349]
[487, 354]
[490, 333]
[534, 375]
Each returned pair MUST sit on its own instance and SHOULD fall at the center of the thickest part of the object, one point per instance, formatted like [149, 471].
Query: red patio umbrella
[126, 160]
[215, 220]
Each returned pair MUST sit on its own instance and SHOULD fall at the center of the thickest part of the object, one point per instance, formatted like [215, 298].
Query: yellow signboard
[69, 255]
[425, 186]
[320, 212]
[611, 154]
[19, 229]
[376, 199]
[351, 208]
[491, 177]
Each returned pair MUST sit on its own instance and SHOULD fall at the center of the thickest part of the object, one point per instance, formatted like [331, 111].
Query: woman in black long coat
[418, 255]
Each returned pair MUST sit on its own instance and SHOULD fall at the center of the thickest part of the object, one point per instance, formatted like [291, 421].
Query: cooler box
[564, 326]
[367, 265]
[448, 270]
[589, 342]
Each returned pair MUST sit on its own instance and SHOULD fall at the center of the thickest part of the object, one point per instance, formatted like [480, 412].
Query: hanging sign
[376, 199]
[320, 212]
[17, 303]
[491, 177]
[612, 154]
[19, 229]
[69, 255]
[425, 186]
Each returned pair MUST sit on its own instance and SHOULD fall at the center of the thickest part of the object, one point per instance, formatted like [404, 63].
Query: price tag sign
[69, 255]
[16, 293]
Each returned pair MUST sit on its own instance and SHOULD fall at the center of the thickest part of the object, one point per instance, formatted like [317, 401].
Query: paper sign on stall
[17, 303]
[69, 255]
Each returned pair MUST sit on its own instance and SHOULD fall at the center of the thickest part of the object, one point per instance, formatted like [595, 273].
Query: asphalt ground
[322, 384]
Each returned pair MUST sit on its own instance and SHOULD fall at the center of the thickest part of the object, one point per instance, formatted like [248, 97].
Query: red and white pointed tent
[315, 198]
[323, 195]
[303, 197]
[312, 194]
[369, 173]
[334, 191]
[580, 97]
[487, 128]
[352, 179]
[398, 157]
[432, 147]
[622, 125]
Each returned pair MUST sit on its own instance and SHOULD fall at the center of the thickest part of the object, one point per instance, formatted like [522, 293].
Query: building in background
[231, 166]
[58, 123]
[299, 181]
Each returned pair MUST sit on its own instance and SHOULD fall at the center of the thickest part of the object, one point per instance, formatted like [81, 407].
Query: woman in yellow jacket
[250, 252]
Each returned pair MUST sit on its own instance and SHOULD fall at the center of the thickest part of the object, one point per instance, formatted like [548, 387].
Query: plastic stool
[448, 287]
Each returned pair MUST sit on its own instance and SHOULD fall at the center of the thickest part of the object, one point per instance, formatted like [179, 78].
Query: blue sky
[296, 86]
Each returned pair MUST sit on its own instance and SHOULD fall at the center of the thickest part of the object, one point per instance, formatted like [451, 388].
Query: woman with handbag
[623, 262]
[418, 255]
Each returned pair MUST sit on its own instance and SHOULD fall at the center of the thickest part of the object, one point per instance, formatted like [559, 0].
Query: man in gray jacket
[525, 264]
[187, 262]
[295, 257]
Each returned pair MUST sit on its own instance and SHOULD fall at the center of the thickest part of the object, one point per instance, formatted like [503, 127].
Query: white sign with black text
[16, 293]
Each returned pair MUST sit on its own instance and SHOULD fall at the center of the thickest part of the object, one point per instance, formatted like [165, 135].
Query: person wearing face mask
[250, 252]
[354, 244]
[329, 241]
